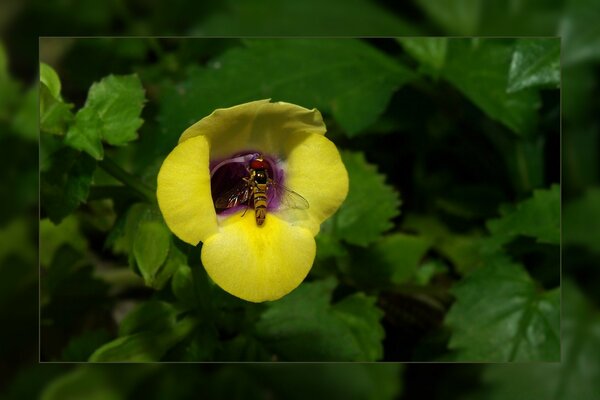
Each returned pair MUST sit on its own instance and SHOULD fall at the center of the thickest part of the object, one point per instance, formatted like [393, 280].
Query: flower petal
[258, 125]
[183, 191]
[314, 169]
[258, 263]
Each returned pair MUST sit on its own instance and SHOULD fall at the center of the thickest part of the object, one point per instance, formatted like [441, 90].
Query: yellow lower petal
[258, 263]
[314, 169]
[183, 191]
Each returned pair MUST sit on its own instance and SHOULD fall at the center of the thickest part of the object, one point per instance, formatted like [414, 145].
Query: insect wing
[288, 198]
[237, 195]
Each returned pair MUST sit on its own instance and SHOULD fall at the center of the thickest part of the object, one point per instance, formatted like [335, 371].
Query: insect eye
[257, 164]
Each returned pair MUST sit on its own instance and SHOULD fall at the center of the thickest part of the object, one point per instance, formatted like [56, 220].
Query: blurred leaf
[479, 69]
[371, 203]
[151, 245]
[66, 183]
[111, 113]
[580, 32]
[394, 259]
[456, 17]
[191, 286]
[53, 236]
[581, 220]
[430, 52]
[146, 334]
[25, 119]
[537, 217]
[311, 73]
[290, 18]
[9, 88]
[577, 376]
[81, 347]
[304, 326]
[535, 63]
[501, 315]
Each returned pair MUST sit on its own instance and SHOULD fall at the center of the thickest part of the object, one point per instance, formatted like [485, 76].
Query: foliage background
[580, 344]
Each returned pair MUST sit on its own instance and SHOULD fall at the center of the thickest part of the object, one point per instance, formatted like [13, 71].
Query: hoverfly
[257, 190]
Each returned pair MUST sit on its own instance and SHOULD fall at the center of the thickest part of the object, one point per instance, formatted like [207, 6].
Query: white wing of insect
[288, 199]
[237, 195]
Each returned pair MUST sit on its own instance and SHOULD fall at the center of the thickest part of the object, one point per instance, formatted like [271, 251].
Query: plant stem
[140, 188]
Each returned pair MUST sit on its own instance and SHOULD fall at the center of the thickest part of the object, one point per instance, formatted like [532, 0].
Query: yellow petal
[258, 125]
[314, 169]
[183, 191]
[258, 263]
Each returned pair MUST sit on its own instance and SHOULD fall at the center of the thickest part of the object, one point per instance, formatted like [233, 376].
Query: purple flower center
[227, 182]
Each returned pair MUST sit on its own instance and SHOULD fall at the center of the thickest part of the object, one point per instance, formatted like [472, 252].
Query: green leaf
[53, 236]
[463, 250]
[501, 315]
[55, 116]
[81, 347]
[111, 113]
[50, 79]
[117, 101]
[456, 17]
[276, 18]
[580, 220]
[535, 63]
[575, 377]
[347, 78]
[304, 326]
[580, 32]
[537, 217]
[86, 133]
[370, 206]
[25, 119]
[146, 334]
[479, 69]
[66, 183]
[191, 286]
[430, 52]
[394, 259]
[362, 317]
[151, 245]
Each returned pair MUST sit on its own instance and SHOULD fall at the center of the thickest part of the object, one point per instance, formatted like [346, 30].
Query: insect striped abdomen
[260, 203]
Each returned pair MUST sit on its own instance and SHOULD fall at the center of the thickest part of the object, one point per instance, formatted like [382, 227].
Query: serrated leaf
[501, 315]
[371, 203]
[430, 52]
[86, 133]
[479, 69]
[535, 63]
[362, 316]
[304, 326]
[66, 183]
[581, 220]
[111, 113]
[577, 376]
[347, 78]
[537, 217]
[117, 102]
[151, 245]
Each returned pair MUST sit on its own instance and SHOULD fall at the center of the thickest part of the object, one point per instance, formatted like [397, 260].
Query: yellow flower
[214, 156]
